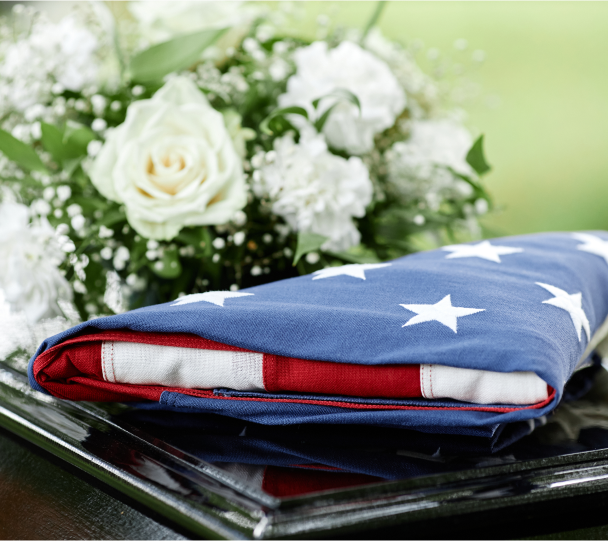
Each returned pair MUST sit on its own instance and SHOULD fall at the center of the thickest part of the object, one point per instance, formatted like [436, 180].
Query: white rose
[30, 255]
[321, 71]
[162, 20]
[315, 190]
[422, 166]
[172, 164]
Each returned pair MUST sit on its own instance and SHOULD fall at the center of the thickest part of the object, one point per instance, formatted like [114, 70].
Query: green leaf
[294, 110]
[373, 20]
[189, 238]
[357, 254]
[323, 118]
[69, 166]
[168, 267]
[112, 218]
[343, 95]
[307, 242]
[476, 158]
[198, 237]
[76, 139]
[52, 140]
[173, 55]
[19, 152]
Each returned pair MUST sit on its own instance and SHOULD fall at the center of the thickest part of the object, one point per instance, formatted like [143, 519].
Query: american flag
[460, 340]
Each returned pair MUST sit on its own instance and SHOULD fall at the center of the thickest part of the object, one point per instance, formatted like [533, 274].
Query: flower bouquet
[150, 150]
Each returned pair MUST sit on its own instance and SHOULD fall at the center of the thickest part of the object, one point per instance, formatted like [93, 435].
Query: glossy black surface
[212, 476]
[42, 499]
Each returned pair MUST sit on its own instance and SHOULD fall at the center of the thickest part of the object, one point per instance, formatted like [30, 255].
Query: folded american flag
[458, 340]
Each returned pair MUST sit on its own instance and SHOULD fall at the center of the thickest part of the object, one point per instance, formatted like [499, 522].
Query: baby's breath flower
[105, 232]
[78, 222]
[106, 253]
[419, 219]
[312, 258]
[64, 193]
[239, 238]
[48, 193]
[99, 104]
[73, 210]
[99, 124]
[121, 256]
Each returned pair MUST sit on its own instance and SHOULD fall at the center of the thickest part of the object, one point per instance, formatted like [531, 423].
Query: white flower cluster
[31, 254]
[51, 58]
[211, 198]
[321, 71]
[313, 189]
[424, 167]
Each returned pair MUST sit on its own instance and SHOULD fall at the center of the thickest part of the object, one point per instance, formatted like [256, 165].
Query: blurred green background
[547, 68]
[547, 139]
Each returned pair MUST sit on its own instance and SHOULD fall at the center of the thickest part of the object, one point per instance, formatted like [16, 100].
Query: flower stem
[373, 19]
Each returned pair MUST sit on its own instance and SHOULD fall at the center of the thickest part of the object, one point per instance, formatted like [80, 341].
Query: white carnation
[62, 53]
[321, 71]
[421, 167]
[316, 191]
[30, 255]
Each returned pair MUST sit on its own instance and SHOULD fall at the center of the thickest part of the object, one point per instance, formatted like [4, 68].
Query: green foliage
[271, 126]
[112, 218]
[173, 55]
[52, 141]
[307, 242]
[476, 158]
[76, 138]
[168, 266]
[265, 126]
[19, 152]
[356, 254]
[373, 20]
[67, 145]
[342, 95]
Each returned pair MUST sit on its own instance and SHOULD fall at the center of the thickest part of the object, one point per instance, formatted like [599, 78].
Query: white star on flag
[483, 250]
[214, 297]
[356, 270]
[572, 304]
[592, 244]
[443, 311]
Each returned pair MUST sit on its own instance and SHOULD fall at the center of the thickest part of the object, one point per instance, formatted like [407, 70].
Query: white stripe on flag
[481, 386]
[188, 368]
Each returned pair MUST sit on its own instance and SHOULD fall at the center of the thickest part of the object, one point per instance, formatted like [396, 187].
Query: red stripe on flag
[345, 379]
